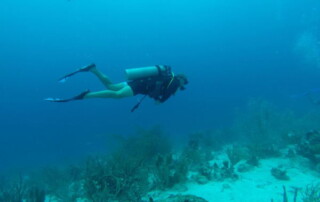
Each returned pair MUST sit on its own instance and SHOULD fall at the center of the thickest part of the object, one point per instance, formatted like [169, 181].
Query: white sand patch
[253, 186]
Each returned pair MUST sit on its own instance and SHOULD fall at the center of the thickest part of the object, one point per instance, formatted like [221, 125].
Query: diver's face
[182, 83]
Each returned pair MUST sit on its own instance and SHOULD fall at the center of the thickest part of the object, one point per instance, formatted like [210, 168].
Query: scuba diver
[157, 82]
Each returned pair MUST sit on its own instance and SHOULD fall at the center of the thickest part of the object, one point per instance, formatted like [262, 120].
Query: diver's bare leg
[126, 91]
[106, 80]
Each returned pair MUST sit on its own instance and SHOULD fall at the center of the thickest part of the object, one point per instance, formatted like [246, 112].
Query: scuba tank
[143, 72]
[157, 75]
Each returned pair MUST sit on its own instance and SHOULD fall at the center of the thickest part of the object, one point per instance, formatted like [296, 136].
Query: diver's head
[182, 80]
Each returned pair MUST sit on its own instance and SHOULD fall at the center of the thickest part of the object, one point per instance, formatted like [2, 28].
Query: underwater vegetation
[309, 146]
[285, 195]
[311, 193]
[149, 161]
[20, 189]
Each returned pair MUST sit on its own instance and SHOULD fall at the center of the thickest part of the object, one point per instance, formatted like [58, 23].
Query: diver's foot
[87, 68]
[81, 95]
[77, 97]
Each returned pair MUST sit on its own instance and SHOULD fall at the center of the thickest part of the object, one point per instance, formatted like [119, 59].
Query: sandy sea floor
[258, 184]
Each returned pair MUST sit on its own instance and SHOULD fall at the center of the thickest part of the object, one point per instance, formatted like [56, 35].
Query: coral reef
[168, 171]
[311, 193]
[285, 195]
[148, 162]
[20, 189]
[309, 146]
[125, 174]
[279, 174]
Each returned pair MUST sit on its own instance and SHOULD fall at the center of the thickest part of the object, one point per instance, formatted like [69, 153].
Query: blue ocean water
[230, 50]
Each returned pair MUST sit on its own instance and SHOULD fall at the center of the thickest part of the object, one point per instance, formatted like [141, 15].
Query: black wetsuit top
[158, 88]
